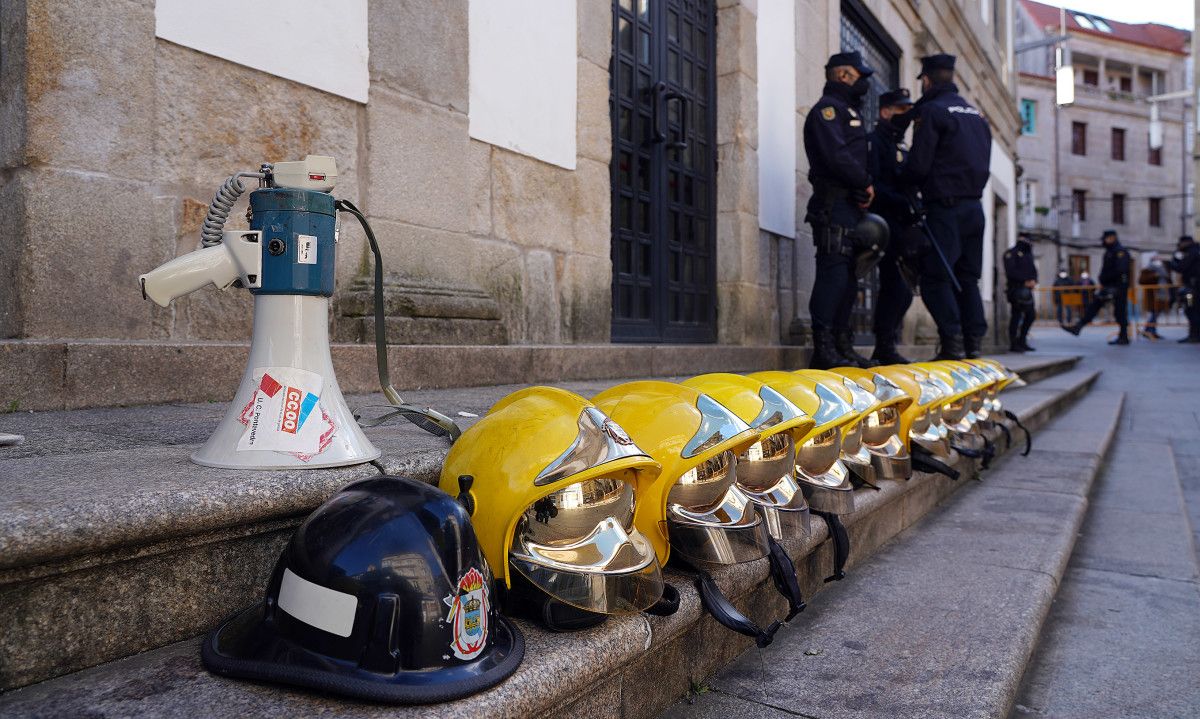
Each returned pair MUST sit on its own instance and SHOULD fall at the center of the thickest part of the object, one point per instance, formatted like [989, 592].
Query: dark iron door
[663, 170]
[861, 31]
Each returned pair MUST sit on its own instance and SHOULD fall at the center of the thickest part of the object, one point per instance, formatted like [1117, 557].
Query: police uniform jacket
[887, 155]
[1187, 263]
[1019, 266]
[951, 147]
[1114, 272]
[835, 142]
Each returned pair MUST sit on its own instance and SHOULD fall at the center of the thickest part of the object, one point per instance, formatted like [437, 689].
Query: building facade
[1090, 166]
[568, 173]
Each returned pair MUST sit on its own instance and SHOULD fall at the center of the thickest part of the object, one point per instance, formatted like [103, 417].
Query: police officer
[1186, 261]
[951, 149]
[1020, 274]
[835, 142]
[1114, 287]
[894, 203]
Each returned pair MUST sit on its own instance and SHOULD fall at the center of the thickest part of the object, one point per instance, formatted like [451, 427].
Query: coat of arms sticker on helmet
[468, 615]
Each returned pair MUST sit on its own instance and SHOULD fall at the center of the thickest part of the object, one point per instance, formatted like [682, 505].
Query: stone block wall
[114, 142]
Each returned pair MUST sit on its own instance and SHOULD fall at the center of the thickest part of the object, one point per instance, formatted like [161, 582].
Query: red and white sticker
[284, 413]
[468, 617]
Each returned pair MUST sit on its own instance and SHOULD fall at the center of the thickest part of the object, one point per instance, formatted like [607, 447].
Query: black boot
[1122, 339]
[950, 348]
[1025, 346]
[971, 347]
[886, 352]
[1074, 328]
[825, 354]
[844, 343]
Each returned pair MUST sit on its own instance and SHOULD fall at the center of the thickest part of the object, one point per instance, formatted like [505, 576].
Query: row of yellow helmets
[585, 500]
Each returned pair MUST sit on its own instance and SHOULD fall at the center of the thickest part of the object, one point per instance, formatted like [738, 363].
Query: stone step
[942, 621]
[1035, 367]
[112, 522]
[147, 597]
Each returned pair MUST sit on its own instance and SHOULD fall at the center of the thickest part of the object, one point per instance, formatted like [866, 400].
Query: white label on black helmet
[321, 607]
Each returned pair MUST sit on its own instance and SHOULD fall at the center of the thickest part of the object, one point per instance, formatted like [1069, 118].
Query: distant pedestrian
[1020, 272]
[1114, 288]
[1186, 261]
[1062, 311]
[1155, 298]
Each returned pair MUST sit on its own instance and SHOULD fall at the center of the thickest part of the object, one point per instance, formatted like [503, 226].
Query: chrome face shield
[599, 440]
[929, 432]
[765, 475]
[579, 545]
[709, 520]
[855, 454]
[882, 440]
[885, 389]
[818, 454]
[823, 477]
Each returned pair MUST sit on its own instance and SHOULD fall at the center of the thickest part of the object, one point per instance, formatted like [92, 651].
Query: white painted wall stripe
[522, 77]
[317, 43]
[777, 117]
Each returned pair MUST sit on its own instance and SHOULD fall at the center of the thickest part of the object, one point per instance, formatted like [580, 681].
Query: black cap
[899, 96]
[940, 61]
[1108, 232]
[853, 59]
[1184, 239]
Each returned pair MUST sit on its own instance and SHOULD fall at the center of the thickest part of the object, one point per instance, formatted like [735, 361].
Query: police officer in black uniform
[1020, 274]
[1186, 261]
[1114, 287]
[835, 142]
[951, 151]
[894, 202]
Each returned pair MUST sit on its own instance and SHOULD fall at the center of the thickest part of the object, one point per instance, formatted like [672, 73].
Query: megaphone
[288, 411]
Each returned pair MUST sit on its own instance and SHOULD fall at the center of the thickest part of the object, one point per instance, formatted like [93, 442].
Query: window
[1155, 155]
[1085, 22]
[1126, 83]
[1118, 209]
[1078, 138]
[1118, 144]
[1079, 204]
[1028, 117]
[1156, 212]
[1079, 264]
[1091, 77]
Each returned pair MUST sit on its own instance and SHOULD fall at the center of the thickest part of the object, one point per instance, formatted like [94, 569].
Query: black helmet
[382, 594]
[870, 241]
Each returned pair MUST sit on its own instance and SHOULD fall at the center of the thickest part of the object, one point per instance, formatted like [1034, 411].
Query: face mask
[860, 87]
[902, 121]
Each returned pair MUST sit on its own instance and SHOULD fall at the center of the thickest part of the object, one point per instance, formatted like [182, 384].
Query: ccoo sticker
[468, 615]
[284, 413]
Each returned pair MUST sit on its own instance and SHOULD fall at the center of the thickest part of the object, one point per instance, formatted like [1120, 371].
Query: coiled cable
[221, 205]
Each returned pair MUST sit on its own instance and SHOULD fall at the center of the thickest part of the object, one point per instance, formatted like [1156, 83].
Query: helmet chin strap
[718, 605]
[841, 544]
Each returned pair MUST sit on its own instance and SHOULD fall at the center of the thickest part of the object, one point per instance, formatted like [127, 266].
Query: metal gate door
[663, 171]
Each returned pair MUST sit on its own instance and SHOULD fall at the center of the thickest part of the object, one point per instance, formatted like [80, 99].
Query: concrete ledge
[110, 522]
[601, 668]
[69, 374]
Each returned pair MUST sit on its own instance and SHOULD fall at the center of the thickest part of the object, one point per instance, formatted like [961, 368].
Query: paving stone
[1130, 627]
